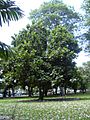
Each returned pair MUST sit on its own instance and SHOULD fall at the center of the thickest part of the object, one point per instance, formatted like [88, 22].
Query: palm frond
[9, 11]
[5, 50]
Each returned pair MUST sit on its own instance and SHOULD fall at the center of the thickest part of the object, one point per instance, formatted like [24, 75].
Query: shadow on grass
[68, 97]
[50, 99]
[72, 97]
[84, 98]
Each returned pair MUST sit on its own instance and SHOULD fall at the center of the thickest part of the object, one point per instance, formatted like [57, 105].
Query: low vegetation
[55, 110]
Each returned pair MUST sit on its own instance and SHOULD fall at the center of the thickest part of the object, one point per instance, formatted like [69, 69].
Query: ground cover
[50, 110]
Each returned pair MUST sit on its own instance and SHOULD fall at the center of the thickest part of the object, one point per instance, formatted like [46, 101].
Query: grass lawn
[54, 110]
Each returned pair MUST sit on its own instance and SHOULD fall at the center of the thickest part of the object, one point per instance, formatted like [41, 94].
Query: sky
[27, 5]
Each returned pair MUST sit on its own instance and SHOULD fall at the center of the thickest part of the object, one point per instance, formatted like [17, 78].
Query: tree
[86, 7]
[5, 50]
[62, 50]
[19, 69]
[86, 74]
[81, 80]
[43, 56]
[75, 81]
[54, 13]
[32, 44]
[8, 12]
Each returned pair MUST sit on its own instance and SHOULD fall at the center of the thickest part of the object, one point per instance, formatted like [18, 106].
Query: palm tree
[8, 12]
[5, 50]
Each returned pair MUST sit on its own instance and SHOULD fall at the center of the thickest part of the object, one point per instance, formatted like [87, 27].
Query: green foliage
[44, 52]
[84, 76]
[86, 67]
[86, 7]
[5, 51]
[32, 46]
[54, 13]
[34, 37]
[62, 50]
[63, 42]
[87, 40]
[42, 57]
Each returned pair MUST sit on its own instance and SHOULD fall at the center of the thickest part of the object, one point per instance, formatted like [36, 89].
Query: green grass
[65, 110]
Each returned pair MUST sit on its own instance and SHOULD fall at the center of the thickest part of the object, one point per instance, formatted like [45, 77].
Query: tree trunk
[56, 90]
[45, 91]
[62, 91]
[30, 91]
[75, 91]
[65, 90]
[41, 95]
[9, 94]
[13, 91]
[5, 92]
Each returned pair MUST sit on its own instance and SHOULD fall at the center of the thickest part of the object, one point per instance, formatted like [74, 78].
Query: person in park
[9, 11]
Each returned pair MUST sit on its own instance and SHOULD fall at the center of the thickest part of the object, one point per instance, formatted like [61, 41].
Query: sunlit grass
[65, 110]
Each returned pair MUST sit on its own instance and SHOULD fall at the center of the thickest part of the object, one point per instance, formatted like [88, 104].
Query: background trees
[86, 7]
[86, 71]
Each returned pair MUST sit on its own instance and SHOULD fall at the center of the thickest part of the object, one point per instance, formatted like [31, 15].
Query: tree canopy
[86, 7]
[54, 13]
[43, 57]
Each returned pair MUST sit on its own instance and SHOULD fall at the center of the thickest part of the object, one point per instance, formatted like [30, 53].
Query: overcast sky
[27, 5]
